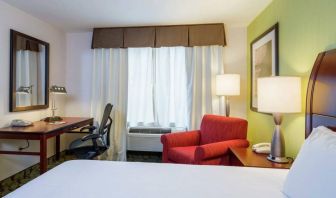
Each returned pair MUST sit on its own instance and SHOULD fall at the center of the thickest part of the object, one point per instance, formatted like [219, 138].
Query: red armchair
[209, 145]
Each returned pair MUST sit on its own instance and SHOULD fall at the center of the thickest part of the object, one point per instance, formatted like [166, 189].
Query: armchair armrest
[189, 138]
[212, 150]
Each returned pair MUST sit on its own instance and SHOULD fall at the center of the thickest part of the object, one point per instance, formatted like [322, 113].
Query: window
[157, 87]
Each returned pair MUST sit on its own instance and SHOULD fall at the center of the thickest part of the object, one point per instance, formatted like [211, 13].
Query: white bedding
[82, 178]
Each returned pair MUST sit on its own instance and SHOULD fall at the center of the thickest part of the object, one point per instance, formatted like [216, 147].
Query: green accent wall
[306, 27]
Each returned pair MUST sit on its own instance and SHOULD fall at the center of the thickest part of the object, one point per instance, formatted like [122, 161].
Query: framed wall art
[264, 60]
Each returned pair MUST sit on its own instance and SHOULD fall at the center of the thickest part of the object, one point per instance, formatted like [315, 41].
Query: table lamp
[227, 85]
[278, 95]
[53, 91]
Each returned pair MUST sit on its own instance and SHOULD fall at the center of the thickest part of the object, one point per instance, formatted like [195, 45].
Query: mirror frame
[12, 91]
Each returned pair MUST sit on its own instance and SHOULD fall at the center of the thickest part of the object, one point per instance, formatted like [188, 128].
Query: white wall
[78, 76]
[12, 18]
[78, 73]
[235, 63]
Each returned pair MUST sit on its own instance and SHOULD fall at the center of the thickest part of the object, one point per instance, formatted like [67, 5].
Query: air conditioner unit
[145, 138]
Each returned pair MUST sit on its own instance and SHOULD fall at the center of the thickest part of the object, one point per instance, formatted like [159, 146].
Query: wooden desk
[247, 157]
[42, 131]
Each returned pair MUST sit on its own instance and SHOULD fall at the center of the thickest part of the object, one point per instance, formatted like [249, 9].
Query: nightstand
[247, 157]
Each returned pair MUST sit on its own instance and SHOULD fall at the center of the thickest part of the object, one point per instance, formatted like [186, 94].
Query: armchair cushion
[185, 155]
[216, 128]
[218, 149]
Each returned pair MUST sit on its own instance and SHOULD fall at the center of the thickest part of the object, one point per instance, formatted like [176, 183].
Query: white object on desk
[264, 148]
[20, 123]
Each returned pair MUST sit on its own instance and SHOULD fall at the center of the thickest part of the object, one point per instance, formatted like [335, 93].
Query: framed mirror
[29, 73]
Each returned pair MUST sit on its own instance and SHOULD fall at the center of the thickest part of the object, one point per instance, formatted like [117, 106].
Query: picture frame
[264, 60]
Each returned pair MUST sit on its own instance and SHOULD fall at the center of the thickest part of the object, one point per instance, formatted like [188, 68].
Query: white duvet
[83, 178]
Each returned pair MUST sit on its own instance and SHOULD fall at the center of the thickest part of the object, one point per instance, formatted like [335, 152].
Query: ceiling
[82, 15]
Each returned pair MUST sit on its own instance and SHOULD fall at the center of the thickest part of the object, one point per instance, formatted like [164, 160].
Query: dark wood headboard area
[321, 93]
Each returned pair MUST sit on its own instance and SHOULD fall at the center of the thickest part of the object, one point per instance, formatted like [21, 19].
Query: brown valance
[25, 44]
[167, 36]
[209, 34]
[108, 38]
[139, 37]
[159, 36]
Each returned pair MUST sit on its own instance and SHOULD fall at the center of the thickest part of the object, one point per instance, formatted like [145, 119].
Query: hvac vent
[149, 130]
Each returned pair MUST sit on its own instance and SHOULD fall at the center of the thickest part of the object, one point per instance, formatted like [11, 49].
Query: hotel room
[179, 98]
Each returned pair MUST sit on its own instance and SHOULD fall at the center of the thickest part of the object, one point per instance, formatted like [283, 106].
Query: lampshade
[228, 85]
[57, 90]
[279, 94]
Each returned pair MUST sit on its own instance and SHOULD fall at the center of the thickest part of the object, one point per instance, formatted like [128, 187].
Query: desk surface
[251, 159]
[42, 131]
[41, 127]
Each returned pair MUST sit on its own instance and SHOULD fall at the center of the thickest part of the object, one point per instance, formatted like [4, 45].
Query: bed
[81, 178]
[129, 179]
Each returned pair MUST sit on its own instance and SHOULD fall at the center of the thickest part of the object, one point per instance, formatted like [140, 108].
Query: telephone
[20, 123]
[262, 148]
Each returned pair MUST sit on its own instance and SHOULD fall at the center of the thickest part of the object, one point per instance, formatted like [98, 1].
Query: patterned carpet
[10, 184]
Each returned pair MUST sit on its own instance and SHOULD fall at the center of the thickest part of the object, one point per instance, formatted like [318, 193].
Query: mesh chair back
[106, 123]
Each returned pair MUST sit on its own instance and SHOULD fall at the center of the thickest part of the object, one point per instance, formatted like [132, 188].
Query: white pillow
[313, 173]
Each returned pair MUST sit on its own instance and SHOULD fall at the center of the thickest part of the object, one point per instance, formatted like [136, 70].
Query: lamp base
[280, 160]
[53, 119]
[227, 106]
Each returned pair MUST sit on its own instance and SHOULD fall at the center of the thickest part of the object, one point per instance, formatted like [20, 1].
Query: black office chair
[100, 138]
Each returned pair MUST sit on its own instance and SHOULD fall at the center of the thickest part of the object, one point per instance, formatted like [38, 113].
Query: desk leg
[43, 155]
[58, 147]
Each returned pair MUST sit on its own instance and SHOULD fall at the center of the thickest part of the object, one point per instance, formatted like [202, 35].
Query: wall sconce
[25, 90]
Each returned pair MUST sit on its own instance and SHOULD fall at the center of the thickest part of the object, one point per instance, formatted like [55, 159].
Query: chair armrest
[90, 136]
[189, 138]
[212, 150]
[88, 128]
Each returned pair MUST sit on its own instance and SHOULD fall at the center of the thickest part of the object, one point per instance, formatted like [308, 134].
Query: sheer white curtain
[166, 87]
[109, 85]
[41, 75]
[140, 87]
[203, 64]
[157, 92]
[27, 66]
[171, 87]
